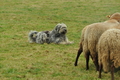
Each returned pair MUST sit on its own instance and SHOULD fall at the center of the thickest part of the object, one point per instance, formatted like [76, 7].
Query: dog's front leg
[57, 41]
[67, 41]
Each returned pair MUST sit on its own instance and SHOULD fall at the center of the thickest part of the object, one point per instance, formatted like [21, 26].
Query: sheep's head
[115, 16]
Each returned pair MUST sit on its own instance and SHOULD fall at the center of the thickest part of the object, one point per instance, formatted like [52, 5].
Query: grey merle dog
[57, 35]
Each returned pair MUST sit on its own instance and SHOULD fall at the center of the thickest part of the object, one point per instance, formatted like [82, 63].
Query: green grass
[20, 60]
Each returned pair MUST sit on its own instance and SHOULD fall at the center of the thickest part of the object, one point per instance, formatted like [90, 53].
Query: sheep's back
[94, 31]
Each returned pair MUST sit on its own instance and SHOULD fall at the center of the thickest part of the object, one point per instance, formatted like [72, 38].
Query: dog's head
[115, 16]
[61, 28]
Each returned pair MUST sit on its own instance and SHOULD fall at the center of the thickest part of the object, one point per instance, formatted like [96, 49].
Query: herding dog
[57, 35]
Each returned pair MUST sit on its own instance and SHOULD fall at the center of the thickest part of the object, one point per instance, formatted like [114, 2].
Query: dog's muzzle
[64, 31]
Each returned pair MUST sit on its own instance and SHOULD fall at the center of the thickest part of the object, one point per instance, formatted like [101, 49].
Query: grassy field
[20, 60]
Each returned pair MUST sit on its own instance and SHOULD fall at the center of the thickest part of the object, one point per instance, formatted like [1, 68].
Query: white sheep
[109, 51]
[89, 39]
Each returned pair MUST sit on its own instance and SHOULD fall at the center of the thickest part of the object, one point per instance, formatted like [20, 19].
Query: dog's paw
[70, 42]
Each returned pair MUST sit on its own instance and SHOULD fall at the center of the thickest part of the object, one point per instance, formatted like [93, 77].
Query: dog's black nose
[65, 30]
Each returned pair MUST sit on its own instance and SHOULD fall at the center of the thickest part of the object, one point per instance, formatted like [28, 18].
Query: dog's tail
[32, 36]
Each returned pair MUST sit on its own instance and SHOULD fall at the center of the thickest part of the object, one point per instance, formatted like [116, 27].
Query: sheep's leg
[112, 72]
[87, 54]
[95, 61]
[96, 64]
[100, 70]
[79, 52]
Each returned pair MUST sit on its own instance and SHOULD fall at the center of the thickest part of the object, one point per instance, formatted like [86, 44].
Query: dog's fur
[57, 35]
[38, 37]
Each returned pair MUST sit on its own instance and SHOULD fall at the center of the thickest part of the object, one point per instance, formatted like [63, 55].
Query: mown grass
[20, 60]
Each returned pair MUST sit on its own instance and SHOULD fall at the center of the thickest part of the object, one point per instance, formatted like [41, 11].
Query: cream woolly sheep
[89, 38]
[109, 51]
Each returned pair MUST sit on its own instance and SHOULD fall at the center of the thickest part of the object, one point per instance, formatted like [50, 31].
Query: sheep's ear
[108, 16]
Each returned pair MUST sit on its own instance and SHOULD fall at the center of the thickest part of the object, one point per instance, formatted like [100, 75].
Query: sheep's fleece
[109, 48]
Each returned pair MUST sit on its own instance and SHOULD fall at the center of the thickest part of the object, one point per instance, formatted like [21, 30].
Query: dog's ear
[57, 27]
